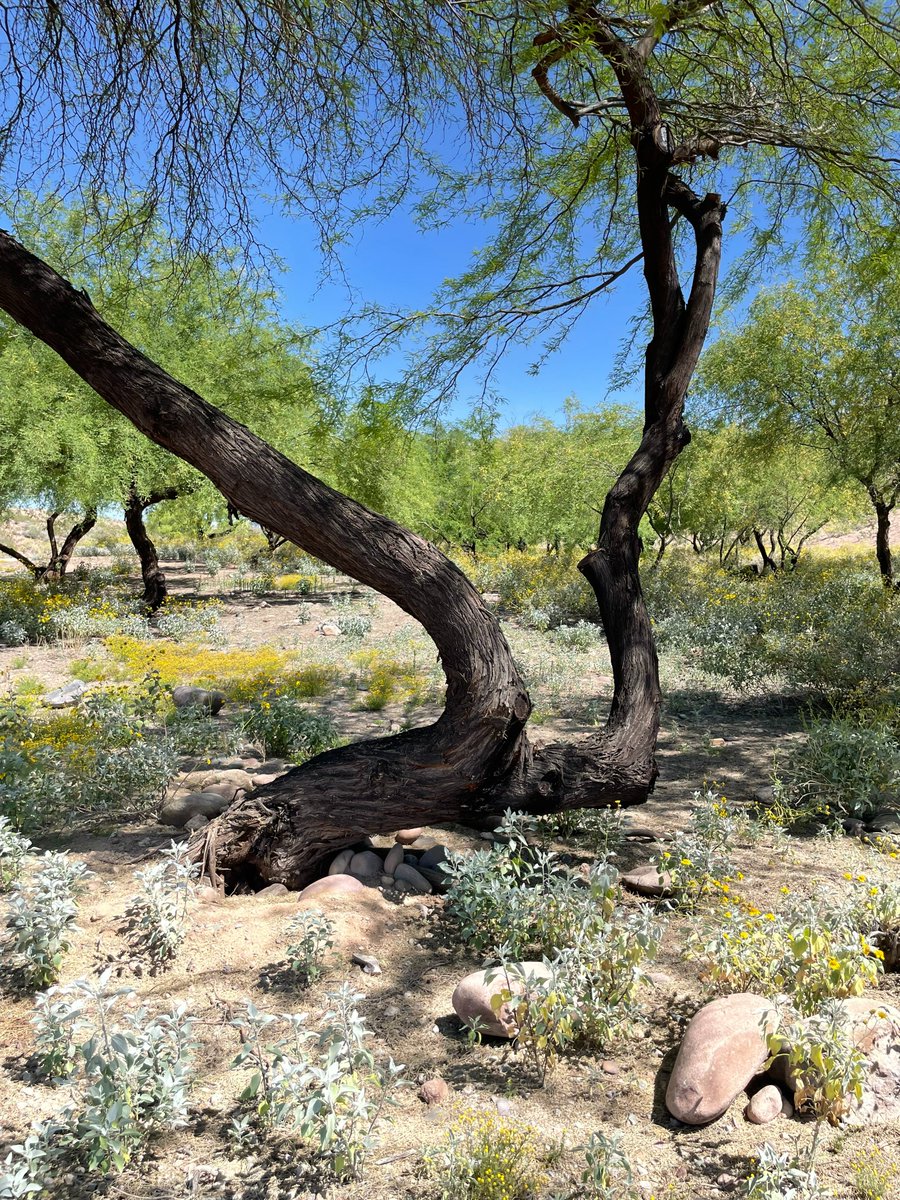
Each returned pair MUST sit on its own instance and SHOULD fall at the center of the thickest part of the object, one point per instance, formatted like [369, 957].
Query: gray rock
[438, 878]
[366, 865]
[886, 820]
[368, 962]
[387, 881]
[394, 858]
[272, 892]
[65, 697]
[195, 823]
[340, 863]
[185, 696]
[433, 857]
[329, 630]
[647, 881]
[181, 809]
[409, 875]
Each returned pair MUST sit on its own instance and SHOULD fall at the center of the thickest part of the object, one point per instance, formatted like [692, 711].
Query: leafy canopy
[512, 112]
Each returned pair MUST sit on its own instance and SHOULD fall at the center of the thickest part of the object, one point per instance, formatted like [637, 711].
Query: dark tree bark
[60, 557]
[476, 758]
[155, 587]
[883, 541]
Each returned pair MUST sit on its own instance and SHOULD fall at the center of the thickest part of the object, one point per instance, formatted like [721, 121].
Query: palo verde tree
[62, 444]
[602, 135]
[818, 364]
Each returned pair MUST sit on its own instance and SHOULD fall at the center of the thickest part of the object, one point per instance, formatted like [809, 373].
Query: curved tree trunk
[475, 759]
[155, 587]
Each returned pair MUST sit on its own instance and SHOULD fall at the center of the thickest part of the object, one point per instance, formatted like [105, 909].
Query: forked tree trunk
[476, 758]
[154, 579]
[60, 557]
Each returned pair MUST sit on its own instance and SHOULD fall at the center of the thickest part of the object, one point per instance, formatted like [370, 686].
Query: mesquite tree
[601, 136]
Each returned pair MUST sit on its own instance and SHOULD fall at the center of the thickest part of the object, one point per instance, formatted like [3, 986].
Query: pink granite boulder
[724, 1047]
[472, 997]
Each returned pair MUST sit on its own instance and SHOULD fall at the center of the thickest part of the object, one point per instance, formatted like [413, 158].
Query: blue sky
[395, 264]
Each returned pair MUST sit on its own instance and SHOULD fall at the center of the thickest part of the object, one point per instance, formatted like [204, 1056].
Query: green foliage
[312, 936]
[607, 1174]
[350, 621]
[821, 1058]
[782, 1176]
[94, 759]
[13, 848]
[828, 628]
[284, 728]
[843, 768]
[133, 1079]
[810, 950]
[324, 1083]
[41, 917]
[156, 917]
[697, 860]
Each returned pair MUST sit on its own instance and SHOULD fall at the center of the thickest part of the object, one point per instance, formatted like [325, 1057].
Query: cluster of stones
[406, 868]
[725, 1051]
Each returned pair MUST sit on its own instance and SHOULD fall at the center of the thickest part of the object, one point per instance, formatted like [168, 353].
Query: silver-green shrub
[41, 917]
[156, 916]
[13, 848]
[312, 936]
[324, 1083]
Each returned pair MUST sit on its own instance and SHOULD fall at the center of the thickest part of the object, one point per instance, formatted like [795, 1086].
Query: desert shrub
[822, 1059]
[841, 768]
[12, 633]
[544, 589]
[243, 675]
[284, 728]
[875, 911]
[812, 950]
[21, 609]
[190, 621]
[516, 900]
[608, 1174]
[484, 1157]
[782, 1176]
[133, 1078]
[96, 758]
[156, 916]
[312, 936]
[13, 848]
[41, 917]
[79, 617]
[874, 1175]
[384, 679]
[601, 830]
[325, 1083]
[828, 628]
[350, 621]
[583, 635]
[698, 859]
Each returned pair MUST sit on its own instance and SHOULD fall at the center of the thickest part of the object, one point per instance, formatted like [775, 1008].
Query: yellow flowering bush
[243, 675]
[386, 680]
[485, 1157]
[809, 951]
